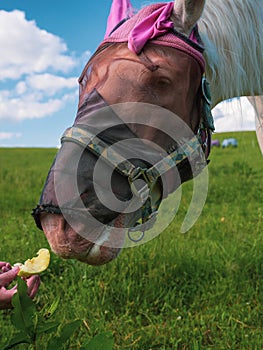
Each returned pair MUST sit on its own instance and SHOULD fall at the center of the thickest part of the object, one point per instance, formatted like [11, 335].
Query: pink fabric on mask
[193, 37]
[120, 9]
[151, 24]
[154, 25]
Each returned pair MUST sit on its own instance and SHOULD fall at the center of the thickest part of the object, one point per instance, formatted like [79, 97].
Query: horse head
[148, 69]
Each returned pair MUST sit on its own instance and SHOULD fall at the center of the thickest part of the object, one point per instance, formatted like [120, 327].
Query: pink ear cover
[151, 24]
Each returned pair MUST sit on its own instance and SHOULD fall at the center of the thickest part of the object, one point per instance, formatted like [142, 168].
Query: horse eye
[163, 82]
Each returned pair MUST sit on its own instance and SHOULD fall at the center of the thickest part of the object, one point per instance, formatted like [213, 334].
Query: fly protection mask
[151, 26]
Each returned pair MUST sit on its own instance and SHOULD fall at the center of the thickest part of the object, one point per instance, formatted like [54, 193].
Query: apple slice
[35, 265]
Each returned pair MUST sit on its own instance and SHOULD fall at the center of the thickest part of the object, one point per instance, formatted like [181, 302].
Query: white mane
[232, 32]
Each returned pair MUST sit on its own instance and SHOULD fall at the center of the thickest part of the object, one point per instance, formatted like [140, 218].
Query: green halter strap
[98, 147]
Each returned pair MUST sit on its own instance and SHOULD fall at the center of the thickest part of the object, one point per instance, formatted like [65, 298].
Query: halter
[190, 149]
[206, 126]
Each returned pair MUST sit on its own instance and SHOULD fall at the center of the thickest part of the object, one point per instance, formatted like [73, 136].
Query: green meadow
[199, 290]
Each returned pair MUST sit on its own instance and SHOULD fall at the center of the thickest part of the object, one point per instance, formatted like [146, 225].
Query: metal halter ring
[133, 239]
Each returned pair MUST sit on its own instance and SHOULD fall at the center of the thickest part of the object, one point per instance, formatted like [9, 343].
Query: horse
[147, 79]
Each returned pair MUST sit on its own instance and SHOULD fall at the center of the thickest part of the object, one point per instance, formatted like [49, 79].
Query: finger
[2, 263]
[6, 268]
[7, 277]
[33, 284]
[6, 297]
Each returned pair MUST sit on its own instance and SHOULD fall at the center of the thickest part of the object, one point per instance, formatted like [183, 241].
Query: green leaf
[102, 341]
[47, 327]
[18, 338]
[54, 344]
[24, 315]
[66, 332]
[52, 308]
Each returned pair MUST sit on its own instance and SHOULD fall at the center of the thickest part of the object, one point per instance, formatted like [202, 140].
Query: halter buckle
[139, 190]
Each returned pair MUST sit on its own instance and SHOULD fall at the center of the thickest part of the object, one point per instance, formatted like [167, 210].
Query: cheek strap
[207, 121]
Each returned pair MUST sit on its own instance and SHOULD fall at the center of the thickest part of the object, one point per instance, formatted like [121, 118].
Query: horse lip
[68, 244]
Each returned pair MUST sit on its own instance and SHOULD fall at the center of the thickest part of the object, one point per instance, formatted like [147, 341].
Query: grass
[198, 290]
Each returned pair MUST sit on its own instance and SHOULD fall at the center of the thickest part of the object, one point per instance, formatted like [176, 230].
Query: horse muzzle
[68, 244]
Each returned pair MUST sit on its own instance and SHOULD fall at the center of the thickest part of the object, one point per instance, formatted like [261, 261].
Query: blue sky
[44, 47]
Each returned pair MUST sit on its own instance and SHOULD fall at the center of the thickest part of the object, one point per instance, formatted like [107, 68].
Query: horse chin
[68, 244]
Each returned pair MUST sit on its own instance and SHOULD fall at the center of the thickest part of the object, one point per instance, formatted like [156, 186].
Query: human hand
[7, 275]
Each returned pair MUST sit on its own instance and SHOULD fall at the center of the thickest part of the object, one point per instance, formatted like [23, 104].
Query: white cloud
[27, 49]
[34, 69]
[234, 115]
[50, 84]
[9, 135]
[32, 103]
[84, 58]
[21, 87]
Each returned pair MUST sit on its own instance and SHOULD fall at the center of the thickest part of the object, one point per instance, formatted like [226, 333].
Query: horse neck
[232, 32]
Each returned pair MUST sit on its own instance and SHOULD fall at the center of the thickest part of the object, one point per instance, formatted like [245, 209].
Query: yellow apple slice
[35, 265]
